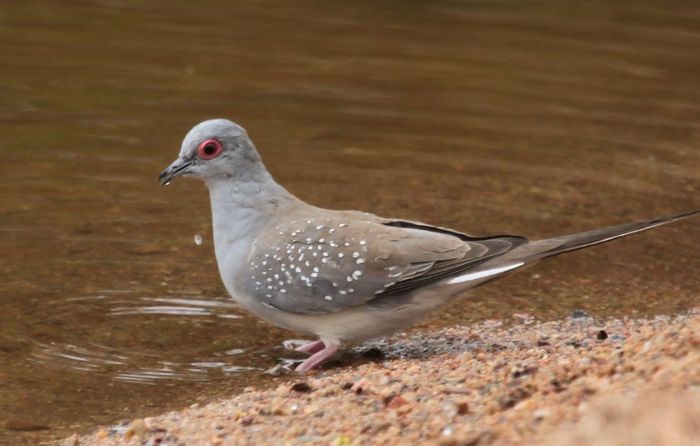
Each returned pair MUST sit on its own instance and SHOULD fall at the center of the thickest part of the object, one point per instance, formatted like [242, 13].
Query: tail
[541, 249]
[531, 252]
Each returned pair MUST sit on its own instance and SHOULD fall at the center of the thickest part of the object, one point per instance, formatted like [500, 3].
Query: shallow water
[535, 119]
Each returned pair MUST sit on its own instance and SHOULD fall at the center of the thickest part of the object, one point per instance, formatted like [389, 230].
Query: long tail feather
[531, 252]
[558, 245]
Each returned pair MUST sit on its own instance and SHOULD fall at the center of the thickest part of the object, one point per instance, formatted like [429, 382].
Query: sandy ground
[577, 382]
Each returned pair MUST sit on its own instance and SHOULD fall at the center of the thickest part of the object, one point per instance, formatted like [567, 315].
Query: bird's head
[217, 149]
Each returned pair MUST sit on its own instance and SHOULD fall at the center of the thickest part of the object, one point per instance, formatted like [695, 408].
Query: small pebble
[462, 408]
[137, 429]
[396, 402]
[541, 413]
[301, 387]
[579, 314]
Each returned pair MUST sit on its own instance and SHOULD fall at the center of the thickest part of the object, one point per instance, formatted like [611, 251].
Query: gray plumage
[345, 276]
[327, 262]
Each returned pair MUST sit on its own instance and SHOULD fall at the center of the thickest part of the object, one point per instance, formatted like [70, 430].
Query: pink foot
[311, 347]
[319, 357]
[303, 346]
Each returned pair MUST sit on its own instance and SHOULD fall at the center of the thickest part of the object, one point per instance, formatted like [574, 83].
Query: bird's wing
[327, 264]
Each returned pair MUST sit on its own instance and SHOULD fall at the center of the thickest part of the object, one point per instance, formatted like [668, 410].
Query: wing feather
[313, 265]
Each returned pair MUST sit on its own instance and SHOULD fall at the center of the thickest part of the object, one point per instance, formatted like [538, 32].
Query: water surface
[532, 118]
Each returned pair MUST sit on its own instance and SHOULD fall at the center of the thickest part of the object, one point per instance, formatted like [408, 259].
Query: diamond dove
[342, 276]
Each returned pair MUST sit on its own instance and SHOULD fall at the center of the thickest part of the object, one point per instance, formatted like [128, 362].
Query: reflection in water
[486, 117]
[118, 364]
[182, 307]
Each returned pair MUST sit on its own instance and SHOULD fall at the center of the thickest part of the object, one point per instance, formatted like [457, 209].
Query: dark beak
[177, 168]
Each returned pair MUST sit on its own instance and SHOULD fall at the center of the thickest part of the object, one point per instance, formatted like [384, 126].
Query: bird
[343, 276]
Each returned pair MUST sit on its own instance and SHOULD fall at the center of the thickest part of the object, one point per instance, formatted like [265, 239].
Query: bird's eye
[209, 149]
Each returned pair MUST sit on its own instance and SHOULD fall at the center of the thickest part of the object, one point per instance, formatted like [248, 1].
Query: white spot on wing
[484, 273]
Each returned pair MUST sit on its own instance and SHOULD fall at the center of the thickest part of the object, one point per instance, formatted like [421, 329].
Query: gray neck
[242, 208]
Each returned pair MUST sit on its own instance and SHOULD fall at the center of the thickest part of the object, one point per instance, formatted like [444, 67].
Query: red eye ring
[209, 149]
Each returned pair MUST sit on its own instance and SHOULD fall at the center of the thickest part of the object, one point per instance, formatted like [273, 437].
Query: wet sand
[576, 381]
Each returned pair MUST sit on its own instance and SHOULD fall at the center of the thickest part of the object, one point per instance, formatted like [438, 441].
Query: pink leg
[319, 357]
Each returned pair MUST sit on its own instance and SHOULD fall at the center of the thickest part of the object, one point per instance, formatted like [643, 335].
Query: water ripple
[141, 366]
[179, 307]
[104, 360]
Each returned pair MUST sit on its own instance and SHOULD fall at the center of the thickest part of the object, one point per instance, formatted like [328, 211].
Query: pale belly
[353, 325]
